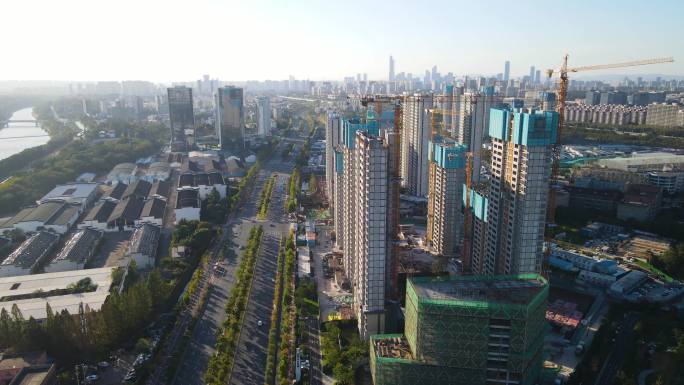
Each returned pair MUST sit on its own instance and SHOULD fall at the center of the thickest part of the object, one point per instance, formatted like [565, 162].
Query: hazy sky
[163, 40]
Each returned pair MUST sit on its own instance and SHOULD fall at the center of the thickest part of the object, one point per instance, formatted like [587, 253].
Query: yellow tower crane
[562, 73]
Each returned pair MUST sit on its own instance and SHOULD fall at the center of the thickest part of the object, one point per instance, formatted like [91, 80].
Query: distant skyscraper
[435, 74]
[230, 118]
[465, 330]
[507, 71]
[416, 133]
[473, 123]
[263, 115]
[537, 77]
[391, 68]
[509, 214]
[532, 74]
[181, 116]
[446, 177]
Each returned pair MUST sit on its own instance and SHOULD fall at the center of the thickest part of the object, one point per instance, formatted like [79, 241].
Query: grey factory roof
[158, 167]
[63, 215]
[43, 212]
[128, 209]
[144, 240]
[18, 217]
[187, 198]
[79, 246]
[154, 208]
[160, 188]
[139, 188]
[200, 179]
[117, 191]
[31, 249]
[101, 212]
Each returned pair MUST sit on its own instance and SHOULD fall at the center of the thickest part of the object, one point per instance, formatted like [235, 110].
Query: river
[20, 136]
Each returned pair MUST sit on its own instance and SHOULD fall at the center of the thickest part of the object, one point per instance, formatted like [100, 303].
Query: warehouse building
[143, 246]
[30, 255]
[77, 252]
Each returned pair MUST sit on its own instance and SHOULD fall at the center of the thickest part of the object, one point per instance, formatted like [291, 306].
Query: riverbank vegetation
[75, 158]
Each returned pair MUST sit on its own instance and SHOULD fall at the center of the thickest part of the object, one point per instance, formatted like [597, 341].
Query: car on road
[259, 323]
[92, 378]
[131, 376]
[103, 365]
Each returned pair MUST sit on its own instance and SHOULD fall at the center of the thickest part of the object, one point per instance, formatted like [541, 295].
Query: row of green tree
[251, 173]
[288, 314]
[221, 363]
[293, 188]
[270, 373]
[265, 197]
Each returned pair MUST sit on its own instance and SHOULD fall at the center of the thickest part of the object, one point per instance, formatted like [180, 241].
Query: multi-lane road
[250, 356]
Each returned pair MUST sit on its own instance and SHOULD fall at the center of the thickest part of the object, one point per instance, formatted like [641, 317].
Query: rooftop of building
[44, 211]
[33, 375]
[391, 346]
[127, 209]
[79, 246]
[154, 208]
[506, 289]
[122, 169]
[117, 191]
[70, 191]
[139, 188]
[101, 212]
[187, 198]
[20, 360]
[63, 216]
[36, 307]
[160, 188]
[144, 240]
[28, 252]
[642, 194]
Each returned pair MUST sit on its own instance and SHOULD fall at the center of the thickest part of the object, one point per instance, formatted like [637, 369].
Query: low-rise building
[97, 217]
[160, 189]
[593, 199]
[126, 213]
[75, 193]
[143, 246]
[641, 202]
[32, 293]
[122, 172]
[628, 282]
[138, 189]
[153, 212]
[30, 255]
[204, 183]
[11, 364]
[157, 171]
[116, 192]
[188, 205]
[55, 215]
[77, 251]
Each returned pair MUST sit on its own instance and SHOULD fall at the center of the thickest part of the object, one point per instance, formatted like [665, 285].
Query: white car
[92, 378]
[259, 323]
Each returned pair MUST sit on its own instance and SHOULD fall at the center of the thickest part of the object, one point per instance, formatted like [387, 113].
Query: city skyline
[83, 40]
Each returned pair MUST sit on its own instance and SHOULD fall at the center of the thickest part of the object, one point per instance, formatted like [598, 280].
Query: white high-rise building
[507, 71]
[263, 115]
[473, 123]
[509, 215]
[415, 136]
[362, 176]
[333, 131]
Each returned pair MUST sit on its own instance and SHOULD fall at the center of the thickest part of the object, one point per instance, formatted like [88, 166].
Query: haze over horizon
[266, 39]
